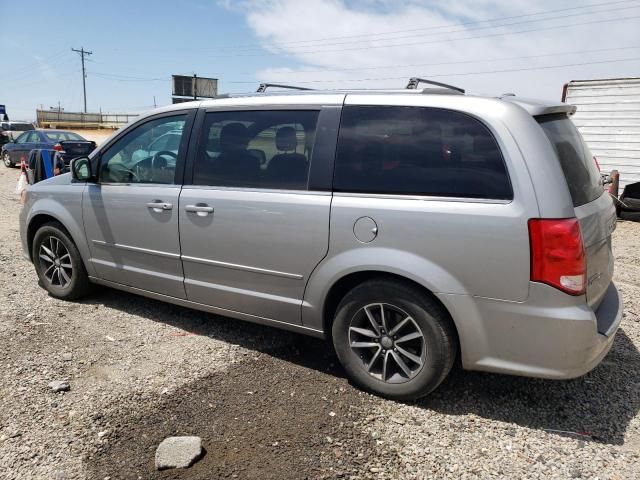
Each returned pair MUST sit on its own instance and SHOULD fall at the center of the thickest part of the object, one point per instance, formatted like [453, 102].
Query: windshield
[577, 161]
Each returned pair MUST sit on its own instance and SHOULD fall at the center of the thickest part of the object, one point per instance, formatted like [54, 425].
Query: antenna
[415, 81]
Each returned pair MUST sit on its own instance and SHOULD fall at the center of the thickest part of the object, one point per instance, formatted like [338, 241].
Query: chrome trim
[235, 266]
[204, 261]
[242, 291]
[129, 248]
[217, 310]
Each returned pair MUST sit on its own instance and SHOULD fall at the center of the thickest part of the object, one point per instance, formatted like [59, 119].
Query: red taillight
[557, 254]
[58, 148]
[597, 164]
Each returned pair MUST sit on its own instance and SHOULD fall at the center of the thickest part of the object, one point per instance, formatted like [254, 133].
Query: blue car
[68, 144]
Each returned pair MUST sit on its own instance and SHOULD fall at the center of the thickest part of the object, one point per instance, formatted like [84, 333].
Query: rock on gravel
[59, 386]
[178, 452]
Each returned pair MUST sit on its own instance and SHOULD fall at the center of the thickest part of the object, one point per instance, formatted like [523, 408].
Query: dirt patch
[266, 417]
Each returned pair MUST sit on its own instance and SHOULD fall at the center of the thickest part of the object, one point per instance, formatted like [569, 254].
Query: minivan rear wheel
[58, 263]
[393, 339]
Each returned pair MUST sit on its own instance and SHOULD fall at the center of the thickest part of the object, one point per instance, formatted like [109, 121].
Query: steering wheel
[162, 153]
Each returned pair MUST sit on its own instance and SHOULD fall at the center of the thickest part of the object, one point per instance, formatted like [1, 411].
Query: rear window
[418, 151]
[578, 164]
[20, 127]
[63, 136]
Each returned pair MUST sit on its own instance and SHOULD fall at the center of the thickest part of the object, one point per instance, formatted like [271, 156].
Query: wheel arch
[344, 284]
[43, 217]
[38, 221]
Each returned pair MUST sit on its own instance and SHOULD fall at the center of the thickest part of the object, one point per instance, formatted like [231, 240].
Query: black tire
[6, 159]
[438, 343]
[73, 282]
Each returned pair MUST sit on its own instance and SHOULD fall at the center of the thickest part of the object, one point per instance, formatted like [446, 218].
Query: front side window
[418, 151]
[134, 158]
[257, 149]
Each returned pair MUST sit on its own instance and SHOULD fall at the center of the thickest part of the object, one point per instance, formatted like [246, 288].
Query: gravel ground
[270, 404]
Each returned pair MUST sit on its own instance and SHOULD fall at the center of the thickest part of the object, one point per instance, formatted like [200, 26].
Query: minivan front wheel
[58, 263]
[393, 340]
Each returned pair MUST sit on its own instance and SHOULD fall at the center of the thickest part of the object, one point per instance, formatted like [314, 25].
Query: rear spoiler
[538, 107]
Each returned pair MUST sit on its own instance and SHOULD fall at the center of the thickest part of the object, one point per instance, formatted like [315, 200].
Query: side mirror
[81, 169]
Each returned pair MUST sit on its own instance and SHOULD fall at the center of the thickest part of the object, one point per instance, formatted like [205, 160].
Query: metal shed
[608, 117]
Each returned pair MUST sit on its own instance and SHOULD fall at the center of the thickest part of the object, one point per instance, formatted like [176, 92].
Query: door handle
[159, 206]
[201, 209]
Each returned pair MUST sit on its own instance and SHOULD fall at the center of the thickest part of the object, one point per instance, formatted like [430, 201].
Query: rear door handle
[159, 206]
[201, 209]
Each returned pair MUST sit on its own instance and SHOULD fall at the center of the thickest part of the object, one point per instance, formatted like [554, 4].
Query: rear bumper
[551, 335]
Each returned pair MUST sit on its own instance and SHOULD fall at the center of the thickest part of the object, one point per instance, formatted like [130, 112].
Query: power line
[423, 35]
[253, 46]
[131, 78]
[457, 74]
[417, 29]
[83, 53]
[128, 78]
[460, 62]
[448, 40]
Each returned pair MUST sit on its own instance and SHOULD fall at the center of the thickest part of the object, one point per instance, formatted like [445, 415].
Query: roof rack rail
[414, 81]
[263, 87]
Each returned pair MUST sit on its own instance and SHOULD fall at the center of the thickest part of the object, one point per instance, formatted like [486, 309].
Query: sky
[490, 47]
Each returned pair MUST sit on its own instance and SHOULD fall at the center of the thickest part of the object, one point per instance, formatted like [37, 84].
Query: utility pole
[82, 53]
[195, 86]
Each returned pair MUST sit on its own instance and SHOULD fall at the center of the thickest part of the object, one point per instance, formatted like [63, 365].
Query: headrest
[286, 140]
[233, 136]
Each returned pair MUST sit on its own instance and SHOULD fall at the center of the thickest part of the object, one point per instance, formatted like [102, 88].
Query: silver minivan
[408, 227]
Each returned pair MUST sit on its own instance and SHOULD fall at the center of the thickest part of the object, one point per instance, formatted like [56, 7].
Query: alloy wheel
[55, 262]
[388, 341]
[6, 159]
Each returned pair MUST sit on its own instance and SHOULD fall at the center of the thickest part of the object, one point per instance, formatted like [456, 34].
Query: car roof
[534, 107]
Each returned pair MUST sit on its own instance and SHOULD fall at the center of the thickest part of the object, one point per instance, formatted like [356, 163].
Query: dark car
[68, 144]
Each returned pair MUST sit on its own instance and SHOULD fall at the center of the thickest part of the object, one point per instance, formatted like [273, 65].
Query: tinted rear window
[418, 151]
[578, 164]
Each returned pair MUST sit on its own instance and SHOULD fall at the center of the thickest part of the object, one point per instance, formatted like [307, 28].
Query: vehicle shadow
[597, 407]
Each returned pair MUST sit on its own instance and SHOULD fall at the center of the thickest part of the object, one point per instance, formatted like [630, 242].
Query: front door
[131, 213]
[251, 230]
[24, 144]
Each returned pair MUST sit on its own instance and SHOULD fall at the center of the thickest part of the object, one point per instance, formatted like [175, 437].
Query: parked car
[169, 141]
[9, 131]
[407, 227]
[68, 144]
